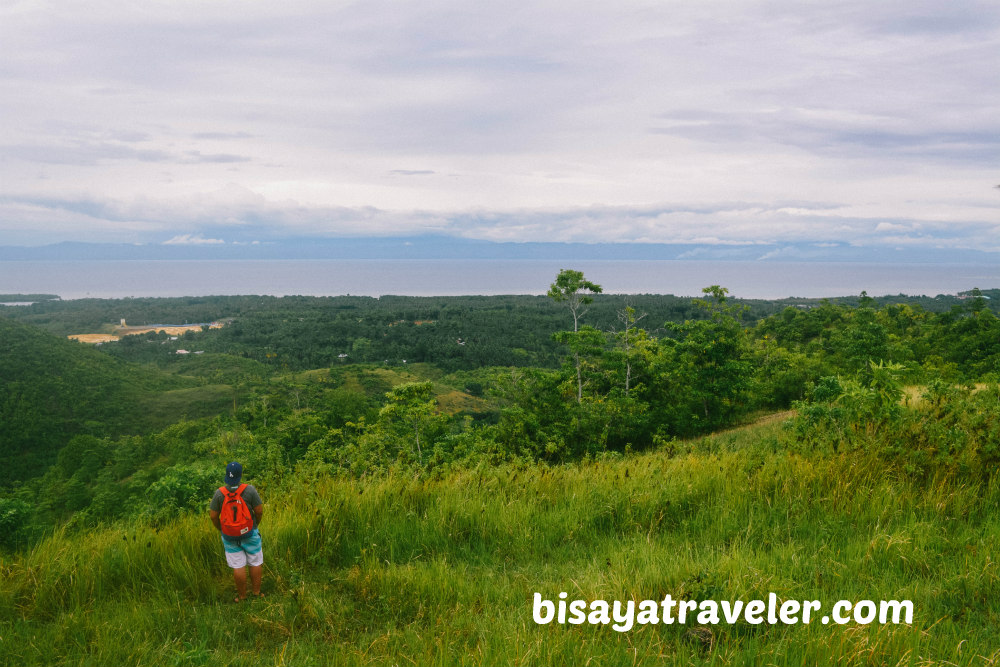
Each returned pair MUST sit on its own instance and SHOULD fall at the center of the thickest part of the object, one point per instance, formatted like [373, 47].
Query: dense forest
[300, 333]
[351, 390]
[361, 384]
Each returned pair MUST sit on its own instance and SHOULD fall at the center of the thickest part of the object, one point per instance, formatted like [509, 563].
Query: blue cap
[234, 473]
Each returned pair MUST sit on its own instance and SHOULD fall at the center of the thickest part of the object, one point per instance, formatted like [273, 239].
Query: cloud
[893, 227]
[190, 239]
[95, 154]
[740, 122]
[240, 215]
[82, 154]
[222, 135]
[219, 158]
[826, 134]
[412, 172]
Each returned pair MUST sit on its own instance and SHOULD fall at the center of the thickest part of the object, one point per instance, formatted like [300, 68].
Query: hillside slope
[409, 569]
[52, 388]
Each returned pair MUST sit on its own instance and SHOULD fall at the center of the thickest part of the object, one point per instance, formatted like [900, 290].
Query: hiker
[236, 510]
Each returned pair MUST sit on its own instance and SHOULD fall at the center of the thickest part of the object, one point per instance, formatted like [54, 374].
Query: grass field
[414, 570]
[166, 407]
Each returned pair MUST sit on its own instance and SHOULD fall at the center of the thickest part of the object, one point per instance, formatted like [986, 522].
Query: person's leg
[256, 572]
[237, 560]
[240, 577]
[255, 559]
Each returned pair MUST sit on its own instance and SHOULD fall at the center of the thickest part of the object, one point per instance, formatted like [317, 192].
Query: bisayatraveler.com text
[623, 616]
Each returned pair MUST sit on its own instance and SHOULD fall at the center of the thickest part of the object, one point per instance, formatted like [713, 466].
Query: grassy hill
[442, 569]
[381, 552]
[52, 388]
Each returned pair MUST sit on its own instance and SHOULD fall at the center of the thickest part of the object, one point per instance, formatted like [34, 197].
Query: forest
[602, 431]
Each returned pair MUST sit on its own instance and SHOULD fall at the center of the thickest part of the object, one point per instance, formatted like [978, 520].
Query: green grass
[416, 570]
[223, 368]
[167, 407]
[447, 388]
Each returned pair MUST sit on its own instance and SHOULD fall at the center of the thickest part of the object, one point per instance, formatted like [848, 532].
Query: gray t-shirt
[250, 497]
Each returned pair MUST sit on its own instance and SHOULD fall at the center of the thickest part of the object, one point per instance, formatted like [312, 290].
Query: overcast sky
[871, 122]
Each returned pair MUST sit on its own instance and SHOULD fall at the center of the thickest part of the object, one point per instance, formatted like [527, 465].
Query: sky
[675, 121]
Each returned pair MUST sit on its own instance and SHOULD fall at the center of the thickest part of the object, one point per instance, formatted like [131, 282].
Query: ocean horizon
[79, 279]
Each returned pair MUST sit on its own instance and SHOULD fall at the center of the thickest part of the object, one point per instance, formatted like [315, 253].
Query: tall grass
[405, 569]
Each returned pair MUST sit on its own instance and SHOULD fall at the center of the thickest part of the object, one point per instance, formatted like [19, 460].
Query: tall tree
[631, 341]
[573, 289]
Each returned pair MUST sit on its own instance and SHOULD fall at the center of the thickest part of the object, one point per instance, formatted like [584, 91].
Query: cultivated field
[170, 330]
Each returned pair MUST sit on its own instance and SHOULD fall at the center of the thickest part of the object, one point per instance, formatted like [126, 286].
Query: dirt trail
[760, 421]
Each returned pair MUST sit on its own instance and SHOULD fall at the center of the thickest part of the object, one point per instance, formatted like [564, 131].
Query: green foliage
[24, 298]
[52, 389]
[406, 414]
[161, 409]
[355, 568]
[182, 488]
[582, 367]
[951, 429]
[401, 509]
[704, 373]
[619, 388]
[632, 353]
[781, 376]
[572, 288]
[361, 349]
[863, 341]
[827, 390]
[15, 518]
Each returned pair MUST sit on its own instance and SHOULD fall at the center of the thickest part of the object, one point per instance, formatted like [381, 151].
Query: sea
[452, 277]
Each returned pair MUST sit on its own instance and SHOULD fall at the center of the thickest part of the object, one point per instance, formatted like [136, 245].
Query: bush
[182, 488]
[14, 517]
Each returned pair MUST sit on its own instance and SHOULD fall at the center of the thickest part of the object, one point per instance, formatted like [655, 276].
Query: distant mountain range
[447, 247]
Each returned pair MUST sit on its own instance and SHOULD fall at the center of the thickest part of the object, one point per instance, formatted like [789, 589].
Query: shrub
[182, 488]
[14, 517]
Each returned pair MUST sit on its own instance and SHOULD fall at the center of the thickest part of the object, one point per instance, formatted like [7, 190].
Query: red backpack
[235, 517]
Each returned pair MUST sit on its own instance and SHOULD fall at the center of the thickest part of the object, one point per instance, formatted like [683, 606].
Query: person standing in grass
[236, 510]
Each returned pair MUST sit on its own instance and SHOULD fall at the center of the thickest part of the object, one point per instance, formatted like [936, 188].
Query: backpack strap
[238, 493]
[229, 494]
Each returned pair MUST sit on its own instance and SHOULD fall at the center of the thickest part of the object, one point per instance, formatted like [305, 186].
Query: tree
[409, 405]
[706, 369]
[632, 341]
[361, 348]
[571, 287]
[863, 341]
[587, 347]
[15, 515]
[976, 301]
